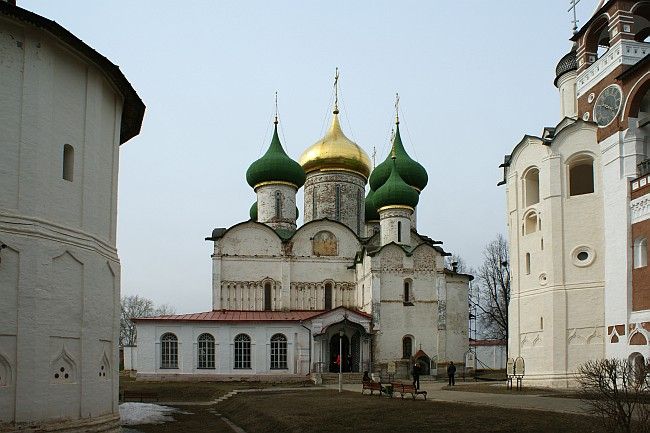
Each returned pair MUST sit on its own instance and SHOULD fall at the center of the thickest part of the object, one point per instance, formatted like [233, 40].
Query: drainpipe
[308, 330]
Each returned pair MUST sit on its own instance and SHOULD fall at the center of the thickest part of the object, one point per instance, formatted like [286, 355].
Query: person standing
[451, 372]
[416, 376]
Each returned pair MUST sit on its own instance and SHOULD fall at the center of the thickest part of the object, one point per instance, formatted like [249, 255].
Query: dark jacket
[416, 370]
[451, 369]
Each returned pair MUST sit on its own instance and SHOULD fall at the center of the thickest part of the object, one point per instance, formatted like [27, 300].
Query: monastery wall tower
[65, 111]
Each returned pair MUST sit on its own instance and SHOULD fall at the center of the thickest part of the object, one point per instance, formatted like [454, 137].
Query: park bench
[407, 388]
[141, 396]
[372, 387]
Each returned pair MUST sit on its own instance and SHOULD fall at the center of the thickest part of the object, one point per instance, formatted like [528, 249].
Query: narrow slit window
[328, 296]
[399, 231]
[527, 263]
[313, 204]
[278, 204]
[68, 162]
[267, 296]
[407, 292]
[337, 215]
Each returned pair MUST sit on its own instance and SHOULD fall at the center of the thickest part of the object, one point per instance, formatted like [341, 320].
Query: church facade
[356, 286]
[577, 207]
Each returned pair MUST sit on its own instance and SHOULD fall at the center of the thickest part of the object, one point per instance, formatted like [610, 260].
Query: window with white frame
[640, 252]
[278, 352]
[169, 351]
[205, 351]
[242, 352]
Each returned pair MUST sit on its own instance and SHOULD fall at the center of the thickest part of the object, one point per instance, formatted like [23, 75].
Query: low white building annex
[357, 270]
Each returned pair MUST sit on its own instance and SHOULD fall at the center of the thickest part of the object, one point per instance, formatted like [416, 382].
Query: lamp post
[341, 360]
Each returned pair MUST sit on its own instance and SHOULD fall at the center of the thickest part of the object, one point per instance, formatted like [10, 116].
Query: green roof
[395, 192]
[371, 209]
[253, 211]
[410, 170]
[275, 166]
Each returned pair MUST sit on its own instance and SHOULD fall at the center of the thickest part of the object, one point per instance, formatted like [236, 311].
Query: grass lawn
[501, 388]
[193, 391]
[328, 411]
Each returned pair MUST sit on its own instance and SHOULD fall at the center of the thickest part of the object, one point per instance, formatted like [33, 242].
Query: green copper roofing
[410, 170]
[253, 211]
[395, 192]
[275, 165]
[371, 210]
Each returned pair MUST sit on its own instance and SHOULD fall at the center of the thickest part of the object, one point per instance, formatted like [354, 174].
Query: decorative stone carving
[63, 368]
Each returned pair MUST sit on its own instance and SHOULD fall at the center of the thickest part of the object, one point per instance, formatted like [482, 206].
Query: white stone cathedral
[578, 207]
[356, 275]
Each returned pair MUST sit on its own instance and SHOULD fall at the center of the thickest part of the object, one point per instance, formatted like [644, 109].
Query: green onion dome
[395, 191]
[275, 166]
[297, 213]
[371, 210]
[253, 211]
[410, 170]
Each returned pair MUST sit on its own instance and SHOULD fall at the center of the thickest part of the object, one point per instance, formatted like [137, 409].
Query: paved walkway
[510, 401]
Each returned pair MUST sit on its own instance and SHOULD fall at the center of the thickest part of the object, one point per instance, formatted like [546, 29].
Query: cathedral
[355, 287]
[578, 206]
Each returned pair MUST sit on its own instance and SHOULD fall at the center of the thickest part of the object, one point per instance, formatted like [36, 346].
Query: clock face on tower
[607, 105]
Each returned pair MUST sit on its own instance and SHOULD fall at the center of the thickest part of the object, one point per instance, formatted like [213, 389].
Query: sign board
[391, 367]
[519, 366]
[470, 360]
[510, 367]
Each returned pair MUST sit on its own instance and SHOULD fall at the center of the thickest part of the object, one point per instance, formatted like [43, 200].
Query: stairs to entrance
[332, 378]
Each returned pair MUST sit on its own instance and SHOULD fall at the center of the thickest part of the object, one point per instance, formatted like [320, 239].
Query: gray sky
[473, 75]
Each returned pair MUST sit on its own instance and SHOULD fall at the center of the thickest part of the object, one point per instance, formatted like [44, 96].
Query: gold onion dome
[335, 151]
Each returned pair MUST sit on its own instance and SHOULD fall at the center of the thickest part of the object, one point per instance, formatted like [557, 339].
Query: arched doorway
[423, 360]
[637, 366]
[337, 343]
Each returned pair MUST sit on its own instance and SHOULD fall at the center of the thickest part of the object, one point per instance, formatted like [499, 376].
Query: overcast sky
[473, 75]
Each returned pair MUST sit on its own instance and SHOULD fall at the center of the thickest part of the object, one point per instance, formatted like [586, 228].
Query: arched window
[597, 38]
[531, 187]
[267, 296]
[242, 352]
[278, 204]
[168, 351]
[313, 204]
[399, 231]
[581, 176]
[527, 263]
[68, 162]
[337, 214]
[328, 296]
[278, 352]
[531, 223]
[359, 208]
[407, 292]
[640, 252]
[407, 347]
[541, 323]
[205, 353]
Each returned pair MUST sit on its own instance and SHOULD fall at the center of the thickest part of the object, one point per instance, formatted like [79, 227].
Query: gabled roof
[133, 110]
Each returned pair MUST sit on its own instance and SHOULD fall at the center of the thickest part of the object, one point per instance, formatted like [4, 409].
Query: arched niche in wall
[6, 376]
[324, 243]
[63, 368]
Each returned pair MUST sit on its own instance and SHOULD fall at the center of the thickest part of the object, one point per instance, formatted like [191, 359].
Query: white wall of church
[557, 306]
[149, 348]
[268, 198]
[60, 275]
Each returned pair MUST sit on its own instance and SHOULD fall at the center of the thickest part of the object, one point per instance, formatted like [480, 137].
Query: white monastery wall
[59, 278]
[266, 205]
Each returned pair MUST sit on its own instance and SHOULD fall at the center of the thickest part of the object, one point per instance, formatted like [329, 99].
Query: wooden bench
[372, 387]
[407, 388]
[141, 396]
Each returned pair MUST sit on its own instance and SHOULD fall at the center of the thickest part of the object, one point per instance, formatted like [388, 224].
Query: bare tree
[492, 288]
[457, 262]
[134, 307]
[618, 391]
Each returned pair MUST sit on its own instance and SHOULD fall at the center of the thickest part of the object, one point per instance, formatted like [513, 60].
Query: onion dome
[566, 64]
[275, 166]
[335, 151]
[395, 191]
[371, 210]
[410, 170]
[253, 211]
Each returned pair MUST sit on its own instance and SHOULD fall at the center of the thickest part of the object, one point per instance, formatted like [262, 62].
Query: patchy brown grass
[193, 391]
[328, 411]
[501, 388]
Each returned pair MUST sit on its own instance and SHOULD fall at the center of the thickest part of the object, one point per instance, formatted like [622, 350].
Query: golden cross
[276, 108]
[336, 91]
